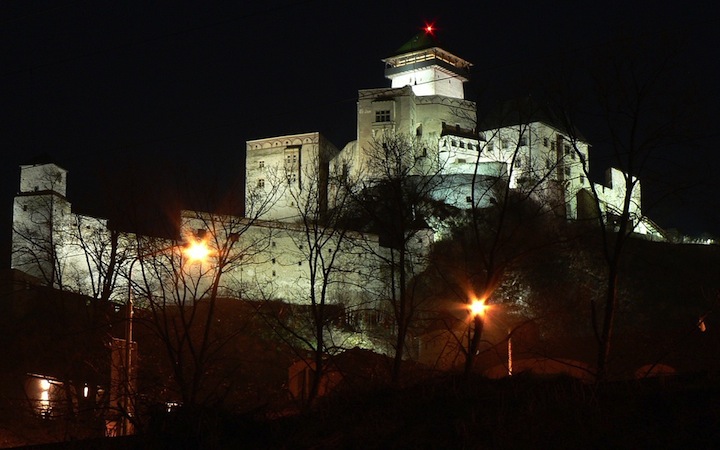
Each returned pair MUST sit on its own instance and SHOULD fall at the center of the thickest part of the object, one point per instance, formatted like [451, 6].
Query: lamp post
[477, 309]
[127, 372]
[197, 250]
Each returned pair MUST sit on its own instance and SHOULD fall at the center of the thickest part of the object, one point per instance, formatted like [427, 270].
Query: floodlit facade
[49, 241]
[523, 143]
[282, 172]
[290, 178]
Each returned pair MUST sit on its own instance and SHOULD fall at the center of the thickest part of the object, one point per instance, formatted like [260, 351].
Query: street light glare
[478, 307]
[197, 251]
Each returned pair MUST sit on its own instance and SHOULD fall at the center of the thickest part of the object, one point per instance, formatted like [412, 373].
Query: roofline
[442, 65]
[434, 50]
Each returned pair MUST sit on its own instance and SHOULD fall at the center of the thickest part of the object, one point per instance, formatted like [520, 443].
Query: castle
[286, 175]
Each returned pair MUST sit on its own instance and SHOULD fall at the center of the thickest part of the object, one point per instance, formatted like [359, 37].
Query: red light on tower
[430, 28]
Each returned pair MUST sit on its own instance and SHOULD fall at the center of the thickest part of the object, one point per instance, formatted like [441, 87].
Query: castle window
[490, 146]
[273, 273]
[552, 146]
[461, 160]
[261, 183]
[567, 149]
[261, 164]
[382, 115]
[523, 141]
[505, 144]
[545, 141]
[462, 144]
[468, 199]
[518, 162]
[471, 147]
[582, 179]
[567, 171]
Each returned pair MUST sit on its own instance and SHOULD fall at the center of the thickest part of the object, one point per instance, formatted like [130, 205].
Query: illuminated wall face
[279, 173]
[43, 177]
[612, 197]
[428, 69]
[431, 81]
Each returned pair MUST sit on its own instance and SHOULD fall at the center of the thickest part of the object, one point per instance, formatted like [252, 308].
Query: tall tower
[425, 100]
[285, 174]
[429, 69]
[39, 211]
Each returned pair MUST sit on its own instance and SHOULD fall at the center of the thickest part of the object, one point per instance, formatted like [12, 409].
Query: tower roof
[424, 50]
[41, 159]
[420, 41]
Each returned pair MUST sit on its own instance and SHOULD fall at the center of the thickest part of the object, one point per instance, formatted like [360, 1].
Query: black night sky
[178, 87]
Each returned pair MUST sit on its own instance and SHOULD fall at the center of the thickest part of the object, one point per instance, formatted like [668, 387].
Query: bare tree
[645, 117]
[66, 250]
[404, 191]
[178, 296]
[40, 226]
[512, 207]
[314, 255]
[73, 254]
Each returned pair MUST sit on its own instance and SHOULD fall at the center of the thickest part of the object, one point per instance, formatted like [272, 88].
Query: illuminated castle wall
[425, 101]
[529, 148]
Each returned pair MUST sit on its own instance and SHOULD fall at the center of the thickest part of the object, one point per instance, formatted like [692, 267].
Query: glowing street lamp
[196, 250]
[478, 307]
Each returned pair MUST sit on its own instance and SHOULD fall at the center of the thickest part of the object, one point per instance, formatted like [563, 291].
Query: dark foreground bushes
[522, 412]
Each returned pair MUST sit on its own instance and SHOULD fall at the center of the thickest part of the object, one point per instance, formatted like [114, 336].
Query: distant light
[701, 324]
[171, 406]
[430, 28]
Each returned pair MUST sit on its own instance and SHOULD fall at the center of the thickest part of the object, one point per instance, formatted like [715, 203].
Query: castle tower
[39, 210]
[284, 174]
[428, 68]
[425, 100]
